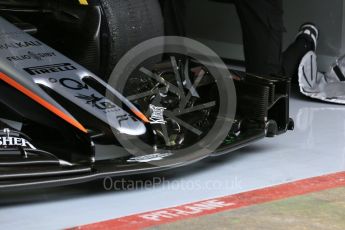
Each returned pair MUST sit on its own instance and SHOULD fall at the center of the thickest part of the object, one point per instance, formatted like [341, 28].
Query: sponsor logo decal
[89, 99]
[46, 69]
[10, 142]
[31, 55]
[18, 45]
[7, 142]
[122, 118]
[70, 83]
[149, 158]
[157, 115]
[97, 102]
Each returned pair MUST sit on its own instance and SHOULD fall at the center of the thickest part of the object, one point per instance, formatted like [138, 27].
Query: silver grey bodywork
[31, 63]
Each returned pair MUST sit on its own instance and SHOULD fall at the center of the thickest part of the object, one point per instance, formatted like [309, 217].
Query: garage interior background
[221, 28]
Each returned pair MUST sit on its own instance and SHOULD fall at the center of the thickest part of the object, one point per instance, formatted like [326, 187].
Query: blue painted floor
[315, 148]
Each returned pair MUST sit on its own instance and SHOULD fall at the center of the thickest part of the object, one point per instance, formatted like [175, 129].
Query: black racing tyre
[128, 23]
[98, 35]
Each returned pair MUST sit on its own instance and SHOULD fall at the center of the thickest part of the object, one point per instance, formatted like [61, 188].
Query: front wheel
[189, 101]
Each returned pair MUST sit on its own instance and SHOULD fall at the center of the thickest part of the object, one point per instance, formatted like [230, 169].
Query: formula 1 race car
[60, 124]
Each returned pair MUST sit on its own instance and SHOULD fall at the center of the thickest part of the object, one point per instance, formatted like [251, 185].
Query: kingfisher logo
[10, 142]
[47, 69]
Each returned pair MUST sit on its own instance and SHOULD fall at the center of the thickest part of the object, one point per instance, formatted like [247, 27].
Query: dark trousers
[262, 29]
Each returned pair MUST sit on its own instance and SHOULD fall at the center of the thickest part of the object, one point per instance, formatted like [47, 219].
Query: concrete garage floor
[315, 148]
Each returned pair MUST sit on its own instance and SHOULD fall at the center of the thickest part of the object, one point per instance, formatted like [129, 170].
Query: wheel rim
[226, 106]
[173, 100]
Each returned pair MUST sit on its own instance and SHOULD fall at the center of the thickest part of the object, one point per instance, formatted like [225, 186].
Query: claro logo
[47, 69]
[19, 45]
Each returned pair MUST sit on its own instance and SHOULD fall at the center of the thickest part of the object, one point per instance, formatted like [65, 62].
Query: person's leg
[306, 40]
[174, 17]
[262, 28]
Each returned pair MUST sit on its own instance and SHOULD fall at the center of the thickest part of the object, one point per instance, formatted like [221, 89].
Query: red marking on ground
[221, 204]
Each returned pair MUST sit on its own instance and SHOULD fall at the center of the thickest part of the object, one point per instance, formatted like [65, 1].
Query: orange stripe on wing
[42, 102]
[140, 115]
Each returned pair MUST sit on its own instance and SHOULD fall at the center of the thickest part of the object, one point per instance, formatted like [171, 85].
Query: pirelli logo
[47, 69]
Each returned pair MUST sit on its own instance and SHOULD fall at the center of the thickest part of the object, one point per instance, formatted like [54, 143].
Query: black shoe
[310, 32]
